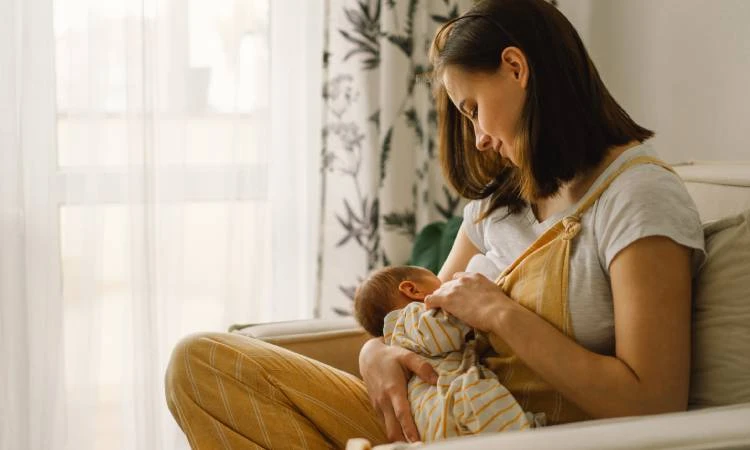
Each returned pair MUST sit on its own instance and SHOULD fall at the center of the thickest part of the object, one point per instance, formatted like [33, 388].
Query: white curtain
[157, 178]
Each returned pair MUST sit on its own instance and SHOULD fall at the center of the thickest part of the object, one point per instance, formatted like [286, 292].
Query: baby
[468, 398]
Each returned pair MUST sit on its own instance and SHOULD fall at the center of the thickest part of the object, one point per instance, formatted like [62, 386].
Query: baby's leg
[428, 408]
[481, 404]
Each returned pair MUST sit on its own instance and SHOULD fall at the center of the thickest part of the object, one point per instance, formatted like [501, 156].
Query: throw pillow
[720, 372]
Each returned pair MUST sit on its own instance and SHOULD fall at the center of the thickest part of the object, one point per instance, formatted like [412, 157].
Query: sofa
[719, 412]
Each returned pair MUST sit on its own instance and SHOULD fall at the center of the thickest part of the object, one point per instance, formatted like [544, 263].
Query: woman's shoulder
[641, 178]
[648, 185]
[645, 177]
[484, 233]
[475, 208]
[645, 200]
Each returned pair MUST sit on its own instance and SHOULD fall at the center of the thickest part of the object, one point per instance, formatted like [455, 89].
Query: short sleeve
[474, 230]
[647, 201]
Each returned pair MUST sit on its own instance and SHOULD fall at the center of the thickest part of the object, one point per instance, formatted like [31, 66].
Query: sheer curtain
[157, 178]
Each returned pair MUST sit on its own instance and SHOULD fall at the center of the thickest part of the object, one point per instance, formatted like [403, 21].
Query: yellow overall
[538, 280]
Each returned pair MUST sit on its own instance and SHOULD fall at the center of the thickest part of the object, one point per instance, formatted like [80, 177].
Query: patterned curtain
[381, 178]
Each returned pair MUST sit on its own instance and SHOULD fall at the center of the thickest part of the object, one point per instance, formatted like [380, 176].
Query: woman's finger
[420, 367]
[392, 426]
[402, 410]
[434, 300]
[375, 405]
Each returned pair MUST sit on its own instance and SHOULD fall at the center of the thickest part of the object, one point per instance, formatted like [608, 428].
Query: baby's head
[388, 289]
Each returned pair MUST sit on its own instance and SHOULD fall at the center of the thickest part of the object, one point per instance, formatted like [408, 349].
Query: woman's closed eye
[471, 112]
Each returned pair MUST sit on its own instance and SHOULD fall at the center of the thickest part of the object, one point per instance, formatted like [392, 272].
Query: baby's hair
[375, 297]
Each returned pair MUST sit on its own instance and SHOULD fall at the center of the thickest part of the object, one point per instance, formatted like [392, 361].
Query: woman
[589, 319]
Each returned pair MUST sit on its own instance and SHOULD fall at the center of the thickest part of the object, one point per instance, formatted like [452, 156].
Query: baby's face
[427, 281]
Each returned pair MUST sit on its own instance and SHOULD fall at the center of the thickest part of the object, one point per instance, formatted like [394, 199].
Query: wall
[680, 67]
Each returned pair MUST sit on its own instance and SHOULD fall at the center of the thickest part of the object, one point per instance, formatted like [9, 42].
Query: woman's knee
[208, 353]
[189, 353]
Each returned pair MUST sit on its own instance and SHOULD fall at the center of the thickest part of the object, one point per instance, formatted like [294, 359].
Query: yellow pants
[228, 391]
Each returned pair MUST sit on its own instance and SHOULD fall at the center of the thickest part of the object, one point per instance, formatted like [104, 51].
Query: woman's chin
[504, 153]
[505, 158]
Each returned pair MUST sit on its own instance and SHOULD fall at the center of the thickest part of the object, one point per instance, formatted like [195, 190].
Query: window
[165, 156]
[165, 101]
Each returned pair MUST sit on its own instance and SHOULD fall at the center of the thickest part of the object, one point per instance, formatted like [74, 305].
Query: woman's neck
[578, 187]
[573, 191]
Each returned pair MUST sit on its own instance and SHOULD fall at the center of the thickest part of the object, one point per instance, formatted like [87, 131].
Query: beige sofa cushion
[721, 321]
[718, 189]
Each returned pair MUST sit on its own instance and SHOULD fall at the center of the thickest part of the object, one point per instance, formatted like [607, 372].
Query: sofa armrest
[335, 342]
[723, 427]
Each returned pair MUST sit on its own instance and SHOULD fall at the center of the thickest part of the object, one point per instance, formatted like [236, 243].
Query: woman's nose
[484, 142]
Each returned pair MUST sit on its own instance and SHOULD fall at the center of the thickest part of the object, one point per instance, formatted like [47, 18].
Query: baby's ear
[411, 290]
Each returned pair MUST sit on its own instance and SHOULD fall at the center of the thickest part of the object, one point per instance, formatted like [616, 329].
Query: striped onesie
[468, 398]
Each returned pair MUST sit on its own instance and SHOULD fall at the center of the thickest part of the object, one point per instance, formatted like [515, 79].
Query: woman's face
[492, 101]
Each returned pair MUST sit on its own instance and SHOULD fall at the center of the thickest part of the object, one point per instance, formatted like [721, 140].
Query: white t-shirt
[645, 200]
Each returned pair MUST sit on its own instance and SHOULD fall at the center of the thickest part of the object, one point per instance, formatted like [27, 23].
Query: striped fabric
[468, 398]
[228, 391]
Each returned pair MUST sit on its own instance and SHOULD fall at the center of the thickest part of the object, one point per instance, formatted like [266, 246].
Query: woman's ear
[515, 61]
[411, 290]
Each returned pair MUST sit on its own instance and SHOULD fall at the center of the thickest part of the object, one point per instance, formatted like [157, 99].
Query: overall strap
[569, 227]
[594, 196]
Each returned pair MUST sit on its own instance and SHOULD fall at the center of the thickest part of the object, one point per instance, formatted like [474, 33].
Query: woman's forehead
[455, 83]
[459, 82]
[452, 78]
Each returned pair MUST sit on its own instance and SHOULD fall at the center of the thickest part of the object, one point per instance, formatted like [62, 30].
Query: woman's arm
[651, 288]
[650, 372]
[458, 258]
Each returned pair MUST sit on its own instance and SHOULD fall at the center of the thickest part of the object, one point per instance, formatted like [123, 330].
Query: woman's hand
[386, 371]
[471, 298]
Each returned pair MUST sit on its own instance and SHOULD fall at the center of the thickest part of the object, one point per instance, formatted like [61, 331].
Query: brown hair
[569, 119]
[376, 296]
